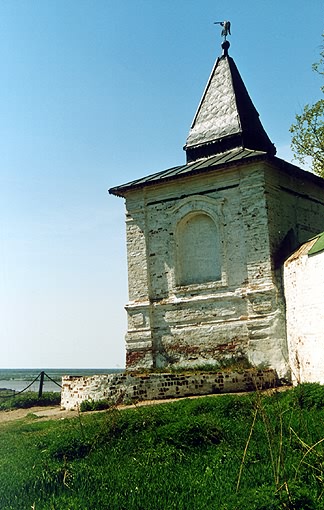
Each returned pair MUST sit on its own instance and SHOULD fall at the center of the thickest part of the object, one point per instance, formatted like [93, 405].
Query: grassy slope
[223, 453]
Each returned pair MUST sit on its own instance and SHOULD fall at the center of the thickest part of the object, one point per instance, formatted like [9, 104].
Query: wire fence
[41, 377]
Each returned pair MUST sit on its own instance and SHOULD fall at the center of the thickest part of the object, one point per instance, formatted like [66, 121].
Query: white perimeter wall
[304, 292]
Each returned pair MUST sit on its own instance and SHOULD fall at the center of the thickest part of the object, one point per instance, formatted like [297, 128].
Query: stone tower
[206, 240]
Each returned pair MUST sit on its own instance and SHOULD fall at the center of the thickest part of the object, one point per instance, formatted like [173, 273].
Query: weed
[227, 452]
[30, 399]
[309, 395]
[232, 363]
[190, 432]
[95, 405]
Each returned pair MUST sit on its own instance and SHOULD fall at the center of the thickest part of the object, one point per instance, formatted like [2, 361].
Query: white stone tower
[206, 240]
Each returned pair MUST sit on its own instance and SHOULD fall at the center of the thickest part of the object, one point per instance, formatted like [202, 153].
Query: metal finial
[225, 47]
[226, 28]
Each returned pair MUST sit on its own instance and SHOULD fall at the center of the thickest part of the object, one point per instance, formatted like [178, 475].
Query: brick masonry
[261, 212]
[128, 387]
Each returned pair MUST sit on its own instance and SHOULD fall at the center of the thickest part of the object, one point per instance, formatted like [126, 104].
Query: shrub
[70, 448]
[95, 405]
[30, 399]
[309, 396]
[190, 432]
[236, 407]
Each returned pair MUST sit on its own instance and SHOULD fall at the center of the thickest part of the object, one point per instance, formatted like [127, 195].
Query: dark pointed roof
[226, 117]
[226, 130]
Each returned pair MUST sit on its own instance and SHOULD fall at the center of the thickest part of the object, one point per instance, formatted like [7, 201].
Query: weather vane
[226, 28]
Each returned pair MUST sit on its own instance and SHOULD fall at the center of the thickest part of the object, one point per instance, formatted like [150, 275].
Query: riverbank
[21, 378]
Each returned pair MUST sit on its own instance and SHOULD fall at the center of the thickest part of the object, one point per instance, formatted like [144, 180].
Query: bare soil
[45, 413]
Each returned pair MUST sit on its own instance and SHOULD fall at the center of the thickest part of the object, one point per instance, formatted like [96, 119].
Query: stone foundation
[130, 387]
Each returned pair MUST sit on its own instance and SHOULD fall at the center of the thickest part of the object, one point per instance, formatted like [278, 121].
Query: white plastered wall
[304, 285]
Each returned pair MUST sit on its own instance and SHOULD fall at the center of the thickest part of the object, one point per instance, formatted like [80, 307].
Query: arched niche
[199, 241]
[198, 250]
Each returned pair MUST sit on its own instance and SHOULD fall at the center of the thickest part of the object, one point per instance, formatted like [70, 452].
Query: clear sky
[95, 93]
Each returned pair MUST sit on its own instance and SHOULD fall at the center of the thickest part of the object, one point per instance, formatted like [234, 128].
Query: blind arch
[198, 250]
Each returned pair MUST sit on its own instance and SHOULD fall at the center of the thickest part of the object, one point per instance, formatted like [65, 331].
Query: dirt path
[56, 413]
[46, 413]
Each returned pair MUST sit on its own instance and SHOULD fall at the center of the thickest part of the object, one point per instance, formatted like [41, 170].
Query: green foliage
[207, 367]
[230, 363]
[238, 363]
[190, 432]
[308, 130]
[95, 405]
[233, 407]
[308, 136]
[309, 396]
[257, 451]
[70, 448]
[30, 399]
[5, 393]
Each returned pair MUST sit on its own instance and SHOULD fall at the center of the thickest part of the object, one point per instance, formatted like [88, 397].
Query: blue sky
[96, 93]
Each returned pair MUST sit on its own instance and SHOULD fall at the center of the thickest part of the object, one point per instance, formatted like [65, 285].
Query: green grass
[29, 399]
[230, 452]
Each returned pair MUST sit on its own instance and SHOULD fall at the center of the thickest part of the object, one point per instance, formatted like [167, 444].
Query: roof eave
[122, 190]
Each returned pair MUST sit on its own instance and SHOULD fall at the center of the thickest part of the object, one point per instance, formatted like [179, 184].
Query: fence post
[41, 383]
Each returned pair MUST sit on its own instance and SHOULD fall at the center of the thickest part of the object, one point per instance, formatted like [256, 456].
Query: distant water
[19, 379]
